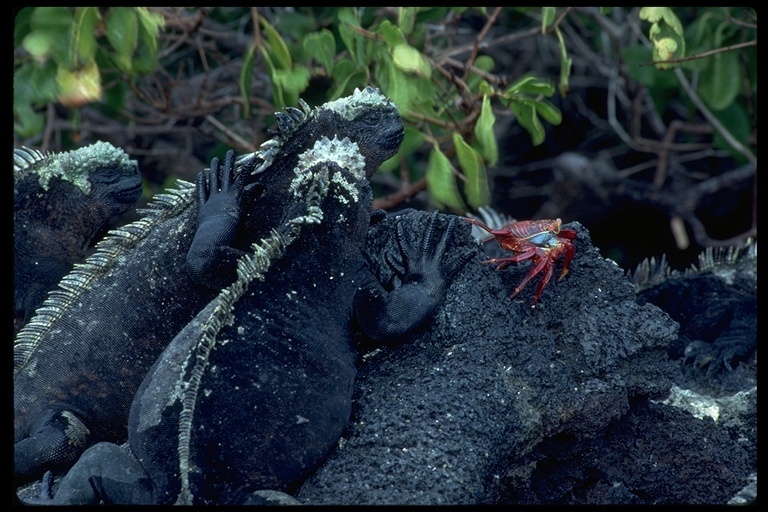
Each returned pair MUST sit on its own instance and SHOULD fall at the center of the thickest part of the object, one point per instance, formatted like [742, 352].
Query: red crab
[541, 241]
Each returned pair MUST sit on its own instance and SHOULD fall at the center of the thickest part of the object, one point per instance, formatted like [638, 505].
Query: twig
[675, 126]
[50, 117]
[508, 38]
[229, 133]
[403, 195]
[735, 144]
[480, 36]
[705, 54]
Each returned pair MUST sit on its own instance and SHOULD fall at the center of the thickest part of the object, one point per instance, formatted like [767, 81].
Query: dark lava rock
[460, 414]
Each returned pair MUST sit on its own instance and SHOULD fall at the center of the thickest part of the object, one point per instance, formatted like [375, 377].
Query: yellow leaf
[80, 86]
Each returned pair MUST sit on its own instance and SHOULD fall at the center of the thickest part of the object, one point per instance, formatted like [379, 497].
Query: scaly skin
[61, 202]
[266, 370]
[79, 362]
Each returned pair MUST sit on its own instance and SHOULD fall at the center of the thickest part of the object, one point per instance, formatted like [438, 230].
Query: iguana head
[365, 127]
[100, 171]
[372, 121]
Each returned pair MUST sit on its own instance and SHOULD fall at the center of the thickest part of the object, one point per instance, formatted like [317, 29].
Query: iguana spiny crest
[62, 201]
[715, 303]
[257, 388]
[81, 359]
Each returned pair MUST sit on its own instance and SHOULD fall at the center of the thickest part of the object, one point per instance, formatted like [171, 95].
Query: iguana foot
[421, 277]
[212, 257]
[55, 445]
[270, 498]
[429, 265]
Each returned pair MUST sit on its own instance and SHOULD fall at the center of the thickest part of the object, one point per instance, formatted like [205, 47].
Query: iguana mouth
[395, 137]
[130, 194]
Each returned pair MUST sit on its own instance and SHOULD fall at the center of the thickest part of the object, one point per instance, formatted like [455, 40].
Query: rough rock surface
[505, 403]
[571, 402]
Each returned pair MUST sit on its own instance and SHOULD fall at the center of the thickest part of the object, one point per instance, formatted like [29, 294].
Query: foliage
[452, 114]
[434, 62]
[68, 51]
[718, 57]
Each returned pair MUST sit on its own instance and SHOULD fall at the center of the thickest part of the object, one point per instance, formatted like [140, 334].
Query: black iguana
[257, 389]
[714, 301]
[61, 201]
[79, 361]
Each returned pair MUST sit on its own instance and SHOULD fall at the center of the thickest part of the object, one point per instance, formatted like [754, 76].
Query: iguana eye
[371, 118]
[106, 175]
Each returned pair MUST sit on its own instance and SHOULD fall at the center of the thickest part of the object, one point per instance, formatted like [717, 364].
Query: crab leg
[541, 263]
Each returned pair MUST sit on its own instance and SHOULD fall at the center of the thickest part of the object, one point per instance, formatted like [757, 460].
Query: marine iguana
[79, 361]
[61, 201]
[714, 301]
[257, 389]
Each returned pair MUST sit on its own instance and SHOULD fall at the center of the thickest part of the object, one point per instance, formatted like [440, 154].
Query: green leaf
[35, 84]
[736, 120]
[411, 143]
[46, 18]
[122, 28]
[441, 181]
[486, 139]
[485, 63]
[347, 76]
[548, 111]
[635, 56]
[278, 50]
[39, 44]
[321, 46]
[76, 88]
[547, 17]
[530, 84]
[565, 73]
[719, 83]
[399, 88]
[21, 25]
[406, 17]
[278, 98]
[672, 21]
[655, 15]
[350, 17]
[476, 186]
[49, 35]
[292, 82]
[84, 33]
[486, 89]
[150, 24]
[27, 122]
[565, 65]
[391, 34]
[666, 33]
[528, 119]
[246, 74]
[144, 61]
[410, 60]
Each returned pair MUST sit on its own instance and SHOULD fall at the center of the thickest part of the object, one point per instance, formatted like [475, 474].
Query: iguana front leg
[55, 445]
[106, 473]
[424, 275]
[212, 259]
